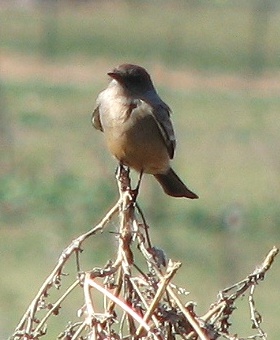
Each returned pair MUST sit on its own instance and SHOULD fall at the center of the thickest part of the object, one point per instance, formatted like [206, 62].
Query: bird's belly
[138, 143]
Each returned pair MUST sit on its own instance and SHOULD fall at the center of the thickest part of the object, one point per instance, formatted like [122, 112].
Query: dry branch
[138, 303]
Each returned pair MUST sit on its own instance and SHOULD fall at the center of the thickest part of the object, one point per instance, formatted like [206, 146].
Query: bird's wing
[161, 114]
[95, 119]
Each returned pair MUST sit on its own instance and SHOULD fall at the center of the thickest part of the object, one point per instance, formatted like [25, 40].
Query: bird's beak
[114, 74]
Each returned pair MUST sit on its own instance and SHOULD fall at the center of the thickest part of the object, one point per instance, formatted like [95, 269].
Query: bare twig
[54, 278]
[255, 315]
[171, 271]
[145, 305]
[56, 306]
[124, 307]
[224, 307]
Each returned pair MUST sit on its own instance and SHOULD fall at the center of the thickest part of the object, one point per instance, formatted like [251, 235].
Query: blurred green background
[217, 64]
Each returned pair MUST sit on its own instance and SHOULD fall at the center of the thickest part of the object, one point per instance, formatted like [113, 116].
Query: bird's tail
[173, 186]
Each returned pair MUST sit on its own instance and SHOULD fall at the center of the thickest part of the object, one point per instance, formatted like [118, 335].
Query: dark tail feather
[173, 186]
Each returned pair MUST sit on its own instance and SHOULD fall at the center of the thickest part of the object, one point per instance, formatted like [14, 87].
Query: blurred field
[57, 179]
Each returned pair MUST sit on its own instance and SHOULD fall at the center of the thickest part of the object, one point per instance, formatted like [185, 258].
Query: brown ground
[83, 72]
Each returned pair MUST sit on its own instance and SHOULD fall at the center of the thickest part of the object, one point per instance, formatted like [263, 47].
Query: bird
[137, 127]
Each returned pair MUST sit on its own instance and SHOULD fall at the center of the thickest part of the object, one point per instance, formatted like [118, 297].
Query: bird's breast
[134, 138]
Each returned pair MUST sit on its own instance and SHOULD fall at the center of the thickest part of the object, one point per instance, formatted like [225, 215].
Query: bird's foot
[122, 175]
[134, 193]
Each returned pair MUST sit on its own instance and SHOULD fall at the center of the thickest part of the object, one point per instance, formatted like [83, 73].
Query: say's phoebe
[137, 127]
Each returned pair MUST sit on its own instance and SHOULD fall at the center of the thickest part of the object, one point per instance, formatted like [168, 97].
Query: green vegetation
[207, 37]
[57, 179]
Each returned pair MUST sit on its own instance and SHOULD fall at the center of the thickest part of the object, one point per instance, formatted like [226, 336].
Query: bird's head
[135, 79]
